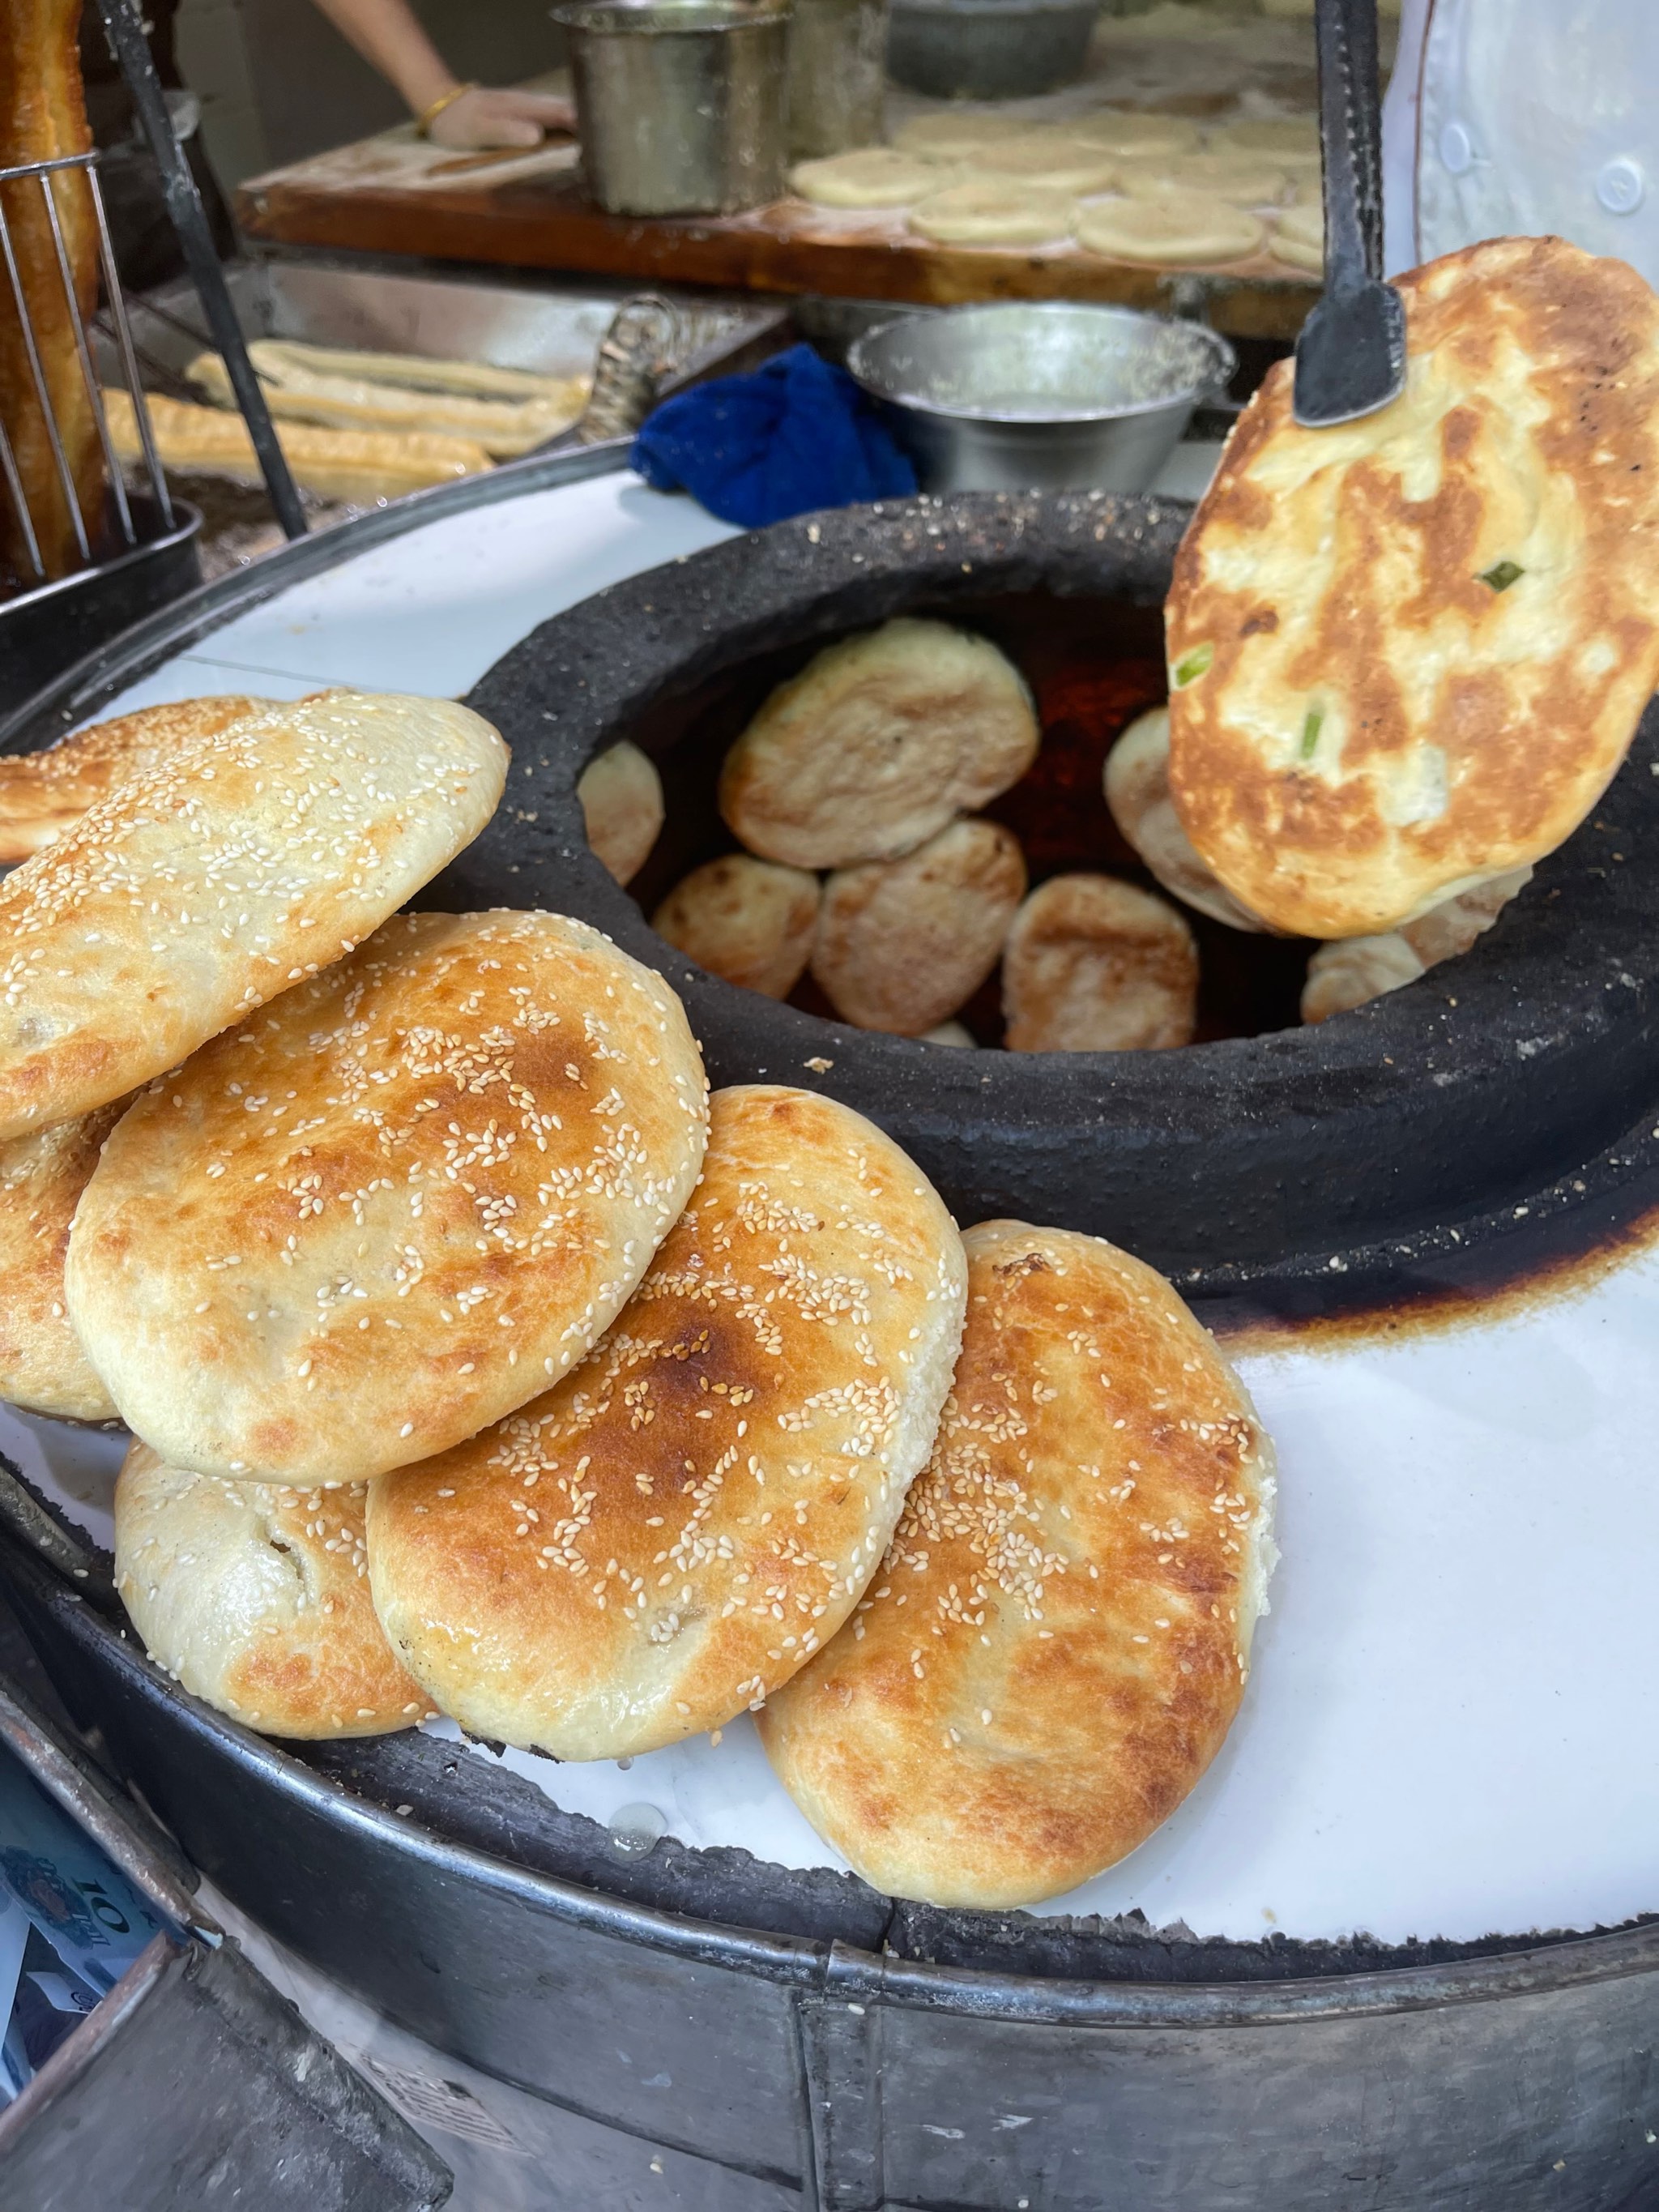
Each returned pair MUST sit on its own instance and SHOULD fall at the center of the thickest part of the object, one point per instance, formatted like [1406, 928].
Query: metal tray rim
[844, 1973]
[134, 652]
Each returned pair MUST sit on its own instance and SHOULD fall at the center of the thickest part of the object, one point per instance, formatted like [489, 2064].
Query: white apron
[1521, 116]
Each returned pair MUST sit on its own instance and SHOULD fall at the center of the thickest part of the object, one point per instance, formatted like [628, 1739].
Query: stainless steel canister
[837, 75]
[681, 104]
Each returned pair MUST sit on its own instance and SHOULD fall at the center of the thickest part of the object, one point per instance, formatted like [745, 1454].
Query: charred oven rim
[1493, 1076]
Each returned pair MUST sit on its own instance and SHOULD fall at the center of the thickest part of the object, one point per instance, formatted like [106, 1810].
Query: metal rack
[78, 578]
[44, 173]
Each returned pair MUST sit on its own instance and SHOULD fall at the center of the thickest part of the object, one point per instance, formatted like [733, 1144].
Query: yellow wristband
[428, 115]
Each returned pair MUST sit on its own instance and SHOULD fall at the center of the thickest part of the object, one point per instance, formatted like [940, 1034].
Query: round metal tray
[802, 2041]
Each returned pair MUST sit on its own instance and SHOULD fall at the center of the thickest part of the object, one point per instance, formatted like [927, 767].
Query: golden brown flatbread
[669, 1534]
[42, 794]
[392, 1206]
[244, 863]
[1409, 654]
[255, 1599]
[1057, 1640]
[42, 1366]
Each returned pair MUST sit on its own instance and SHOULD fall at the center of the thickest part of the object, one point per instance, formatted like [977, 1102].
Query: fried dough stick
[42, 117]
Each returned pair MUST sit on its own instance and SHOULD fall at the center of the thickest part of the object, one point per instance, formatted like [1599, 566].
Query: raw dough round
[954, 138]
[1063, 165]
[1299, 239]
[995, 211]
[1175, 227]
[1137, 136]
[1280, 137]
[870, 177]
[1243, 179]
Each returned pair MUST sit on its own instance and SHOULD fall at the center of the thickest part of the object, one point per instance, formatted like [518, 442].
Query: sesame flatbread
[1410, 653]
[250, 860]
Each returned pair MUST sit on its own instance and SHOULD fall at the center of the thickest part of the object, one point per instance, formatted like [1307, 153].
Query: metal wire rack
[113, 319]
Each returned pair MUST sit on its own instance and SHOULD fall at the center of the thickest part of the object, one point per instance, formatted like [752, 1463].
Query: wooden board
[532, 215]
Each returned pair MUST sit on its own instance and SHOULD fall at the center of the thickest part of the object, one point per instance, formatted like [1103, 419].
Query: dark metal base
[902, 2065]
[192, 2083]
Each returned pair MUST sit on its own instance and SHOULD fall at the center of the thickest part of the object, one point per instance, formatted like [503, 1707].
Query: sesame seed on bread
[41, 793]
[1057, 1640]
[393, 1205]
[42, 1366]
[251, 859]
[666, 1537]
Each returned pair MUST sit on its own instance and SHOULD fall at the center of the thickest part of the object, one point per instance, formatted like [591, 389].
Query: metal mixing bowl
[988, 49]
[1049, 397]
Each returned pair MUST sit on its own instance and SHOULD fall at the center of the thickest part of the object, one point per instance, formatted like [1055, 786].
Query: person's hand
[486, 117]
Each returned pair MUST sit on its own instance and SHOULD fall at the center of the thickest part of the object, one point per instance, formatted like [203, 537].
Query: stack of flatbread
[476, 1363]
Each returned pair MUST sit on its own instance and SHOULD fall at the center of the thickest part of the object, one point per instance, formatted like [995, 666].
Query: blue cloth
[796, 435]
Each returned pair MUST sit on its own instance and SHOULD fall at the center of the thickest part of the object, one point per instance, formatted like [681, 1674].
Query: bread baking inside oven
[876, 744]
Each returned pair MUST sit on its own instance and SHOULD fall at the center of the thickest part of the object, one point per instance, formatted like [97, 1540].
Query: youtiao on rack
[50, 254]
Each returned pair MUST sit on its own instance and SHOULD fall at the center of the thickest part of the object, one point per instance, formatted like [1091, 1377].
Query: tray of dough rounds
[395, 194]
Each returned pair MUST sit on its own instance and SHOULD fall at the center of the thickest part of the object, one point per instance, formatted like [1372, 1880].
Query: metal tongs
[1351, 356]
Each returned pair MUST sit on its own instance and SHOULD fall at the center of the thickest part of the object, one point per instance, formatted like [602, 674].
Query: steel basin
[1047, 396]
[989, 49]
